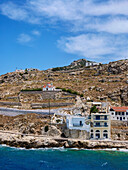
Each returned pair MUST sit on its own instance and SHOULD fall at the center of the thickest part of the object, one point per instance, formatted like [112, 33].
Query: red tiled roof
[120, 109]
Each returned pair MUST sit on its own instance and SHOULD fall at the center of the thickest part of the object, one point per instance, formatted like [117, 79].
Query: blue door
[120, 118]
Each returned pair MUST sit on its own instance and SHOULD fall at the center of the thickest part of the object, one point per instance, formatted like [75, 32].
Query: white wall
[117, 117]
[73, 122]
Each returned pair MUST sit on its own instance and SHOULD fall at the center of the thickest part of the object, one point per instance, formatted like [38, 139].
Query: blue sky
[48, 33]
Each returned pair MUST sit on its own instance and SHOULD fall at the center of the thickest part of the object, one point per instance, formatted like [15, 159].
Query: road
[15, 112]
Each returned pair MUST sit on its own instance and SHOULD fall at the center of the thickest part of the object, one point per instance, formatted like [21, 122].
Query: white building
[48, 87]
[119, 113]
[91, 63]
[77, 122]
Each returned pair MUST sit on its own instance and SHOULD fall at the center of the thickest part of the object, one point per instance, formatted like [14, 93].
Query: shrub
[56, 69]
[63, 89]
[93, 109]
[70, 91]
[81, 95]
[26, 71]
[58, 88]
[75, 92]
[38, 89]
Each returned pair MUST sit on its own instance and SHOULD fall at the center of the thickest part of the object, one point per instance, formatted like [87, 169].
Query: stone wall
[78, 134]
[10, 104]
[119, 130]
[36, 96]
[49, 94]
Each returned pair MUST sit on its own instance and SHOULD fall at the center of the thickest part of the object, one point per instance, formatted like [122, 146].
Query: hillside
[96, 82]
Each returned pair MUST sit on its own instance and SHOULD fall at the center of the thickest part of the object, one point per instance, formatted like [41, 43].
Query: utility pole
[49, 106]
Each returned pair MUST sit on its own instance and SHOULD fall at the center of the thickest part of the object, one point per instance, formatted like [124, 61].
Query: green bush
[58, 88]
[69, 91]
[56, 69]
[38, 89]
[75, 92]
[81, 95]
[93, 109]
[63, 89]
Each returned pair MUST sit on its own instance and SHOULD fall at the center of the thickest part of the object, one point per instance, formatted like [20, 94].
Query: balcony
[100, 118]
[100, 126]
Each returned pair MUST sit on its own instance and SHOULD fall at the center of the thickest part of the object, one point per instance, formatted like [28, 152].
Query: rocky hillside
[116, 67]
[40, 125]
[98, 82]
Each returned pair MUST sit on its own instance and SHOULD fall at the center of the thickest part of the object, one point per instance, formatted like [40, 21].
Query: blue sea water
[61, 159]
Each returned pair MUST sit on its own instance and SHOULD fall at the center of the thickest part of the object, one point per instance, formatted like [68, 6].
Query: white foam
[66, 149]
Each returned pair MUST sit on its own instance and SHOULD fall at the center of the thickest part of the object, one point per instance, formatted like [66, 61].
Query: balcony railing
[100, 125]
[100, 118]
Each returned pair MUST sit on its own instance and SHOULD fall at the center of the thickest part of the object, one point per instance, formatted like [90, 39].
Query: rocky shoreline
[14, 139]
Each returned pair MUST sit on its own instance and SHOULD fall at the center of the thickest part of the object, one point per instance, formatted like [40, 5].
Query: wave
[65, 149]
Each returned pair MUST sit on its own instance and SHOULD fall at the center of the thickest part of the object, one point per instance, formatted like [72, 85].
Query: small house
[119, 113]
[77, 123]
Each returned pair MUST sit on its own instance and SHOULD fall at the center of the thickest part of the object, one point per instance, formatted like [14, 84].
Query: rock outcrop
[28, 142]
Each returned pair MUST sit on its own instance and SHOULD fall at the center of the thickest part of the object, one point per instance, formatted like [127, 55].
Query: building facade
[77, 123]
[100, 126]
[119, 113]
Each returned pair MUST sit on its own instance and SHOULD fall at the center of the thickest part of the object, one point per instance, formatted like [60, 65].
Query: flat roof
[120, 109]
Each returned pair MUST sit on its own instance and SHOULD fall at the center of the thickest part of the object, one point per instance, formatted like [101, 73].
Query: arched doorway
[91, 136]
[97, 134]
[105, 134]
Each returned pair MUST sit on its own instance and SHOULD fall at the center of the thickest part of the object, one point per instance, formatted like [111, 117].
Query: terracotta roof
[120, 109]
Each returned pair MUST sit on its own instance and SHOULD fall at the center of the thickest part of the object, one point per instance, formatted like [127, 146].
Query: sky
[49, 33]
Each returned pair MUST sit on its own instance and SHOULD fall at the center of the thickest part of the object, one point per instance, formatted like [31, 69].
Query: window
[91, 135]
[97, 130]
[105, 117]
[97, 134]
[126, 113]
[124, 118]
[122, 113]
[81, 124]
[117, 117]
[97, 124]
[105, 131]
[98, 117]
[116, 113]
[105, 124]
[105, 134]
[112, 113]
[91, 130]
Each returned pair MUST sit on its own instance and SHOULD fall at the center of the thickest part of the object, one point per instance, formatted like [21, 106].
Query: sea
[62, 159]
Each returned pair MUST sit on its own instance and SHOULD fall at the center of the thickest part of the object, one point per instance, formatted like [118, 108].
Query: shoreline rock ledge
[31, 141]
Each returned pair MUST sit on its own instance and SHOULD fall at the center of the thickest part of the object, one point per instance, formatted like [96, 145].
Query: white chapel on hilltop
[48, 87]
